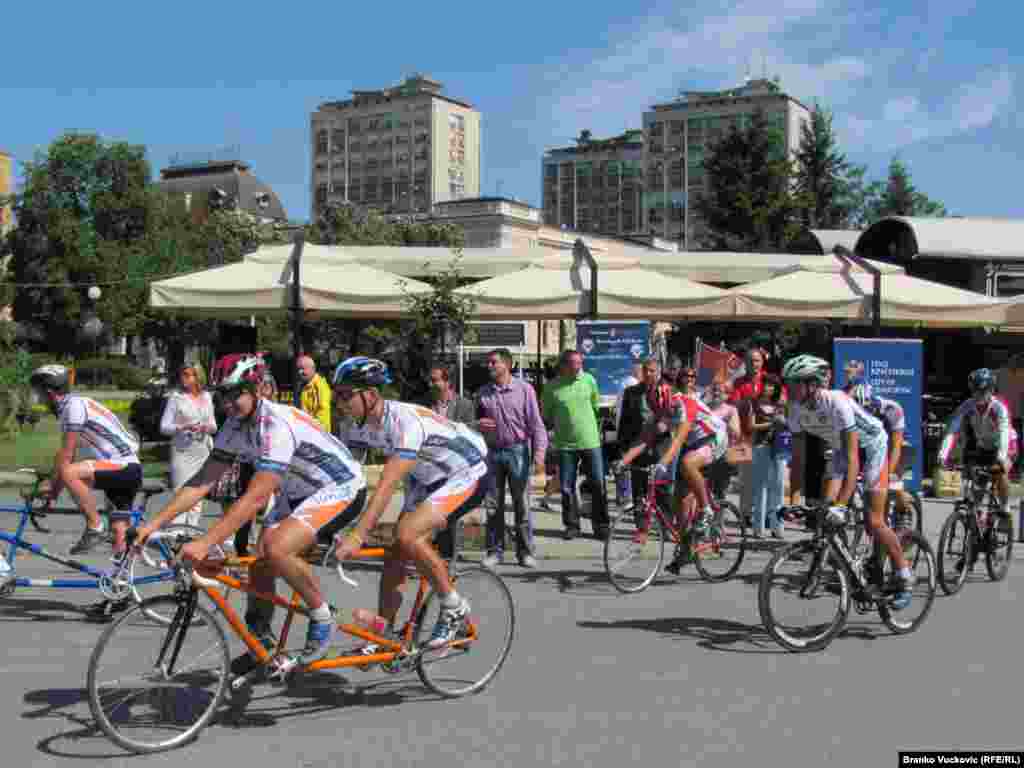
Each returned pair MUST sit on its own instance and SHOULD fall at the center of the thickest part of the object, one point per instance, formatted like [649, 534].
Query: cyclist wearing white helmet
[834, 417]
[984, 423]
[442, 463]
[318, 487]
[114, 469]
[891, 414]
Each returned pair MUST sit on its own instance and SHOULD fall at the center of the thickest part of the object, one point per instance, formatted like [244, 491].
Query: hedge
[102, 371]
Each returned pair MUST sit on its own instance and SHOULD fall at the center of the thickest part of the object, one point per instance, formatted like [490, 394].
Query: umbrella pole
[295, 311]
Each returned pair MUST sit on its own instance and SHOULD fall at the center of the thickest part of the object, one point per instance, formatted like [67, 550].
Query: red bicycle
[634, 551]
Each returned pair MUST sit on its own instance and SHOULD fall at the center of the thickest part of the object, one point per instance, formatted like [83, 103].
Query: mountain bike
[974, 526]
[130, 576]
[635, 548]
[146, 679]
[806, 590]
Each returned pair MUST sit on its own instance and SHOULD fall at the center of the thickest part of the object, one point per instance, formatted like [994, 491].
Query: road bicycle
[635, 548]
[806, 590]
[132, 576]
[974, 527]
[145, 679]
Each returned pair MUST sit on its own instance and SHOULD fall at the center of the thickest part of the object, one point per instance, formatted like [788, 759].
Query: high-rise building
[400, 150]
[6, 188]
[677, 135]
[596, 185]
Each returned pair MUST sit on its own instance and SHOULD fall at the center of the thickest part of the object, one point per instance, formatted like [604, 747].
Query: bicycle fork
[176, 634]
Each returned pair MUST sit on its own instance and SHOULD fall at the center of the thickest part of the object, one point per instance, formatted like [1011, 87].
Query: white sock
[99, 529]
[321, 614]
[906, 573]
[451, 600]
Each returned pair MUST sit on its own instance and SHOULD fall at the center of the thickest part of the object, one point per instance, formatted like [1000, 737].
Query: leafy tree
[824, 178]
[84, 203]
[585, 137]
[750, 204]
[897, 196]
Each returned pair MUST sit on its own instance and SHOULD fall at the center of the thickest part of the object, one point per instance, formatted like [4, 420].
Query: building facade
[396, 150]
[6, 188]
[218, 179]
[677, 135]
[595, 186]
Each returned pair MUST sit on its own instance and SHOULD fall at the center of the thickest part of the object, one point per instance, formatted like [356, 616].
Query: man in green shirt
[571, 403]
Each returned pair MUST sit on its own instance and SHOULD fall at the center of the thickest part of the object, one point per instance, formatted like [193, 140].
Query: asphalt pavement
[679, 674]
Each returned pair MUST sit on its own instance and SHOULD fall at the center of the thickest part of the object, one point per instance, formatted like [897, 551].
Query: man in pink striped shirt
[509, 418]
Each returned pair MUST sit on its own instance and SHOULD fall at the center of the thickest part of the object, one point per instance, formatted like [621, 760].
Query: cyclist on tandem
[833, 416]
[442, 463]
[317, 484]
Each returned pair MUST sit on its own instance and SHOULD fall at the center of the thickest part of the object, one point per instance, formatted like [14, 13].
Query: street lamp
[92, 326]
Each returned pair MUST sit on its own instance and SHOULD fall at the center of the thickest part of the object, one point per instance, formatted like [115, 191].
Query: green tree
[83, 206]
[750, 204]
[824, 178]
[897, 196]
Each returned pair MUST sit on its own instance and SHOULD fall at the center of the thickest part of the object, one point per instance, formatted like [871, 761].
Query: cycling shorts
[119, 480]
[874, 469]
[710, 447]
[449, 498]
[335, 505]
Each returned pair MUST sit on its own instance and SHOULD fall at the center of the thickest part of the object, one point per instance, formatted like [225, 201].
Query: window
[321, 142]
[321, 193]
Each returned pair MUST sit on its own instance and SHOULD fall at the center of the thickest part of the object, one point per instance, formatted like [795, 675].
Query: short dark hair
[504, 353]
[568, 354]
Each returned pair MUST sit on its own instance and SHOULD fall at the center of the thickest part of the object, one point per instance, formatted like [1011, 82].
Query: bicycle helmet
[981, 380]
[51, 378]
[245, 372]
[360, 373]
[806, 368]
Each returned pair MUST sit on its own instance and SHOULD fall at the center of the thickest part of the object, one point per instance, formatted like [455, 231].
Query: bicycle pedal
[281, 668]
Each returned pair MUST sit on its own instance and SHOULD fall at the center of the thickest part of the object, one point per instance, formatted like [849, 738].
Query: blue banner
[895, 370]
[610, 348]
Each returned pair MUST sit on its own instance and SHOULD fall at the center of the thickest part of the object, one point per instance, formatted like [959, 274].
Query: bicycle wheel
[922, 561]
[956, 551]
[803, 597]
[720, 554]
[134, 701]
[632, 564]
[472, 660]
[999, 547]
[151, 571]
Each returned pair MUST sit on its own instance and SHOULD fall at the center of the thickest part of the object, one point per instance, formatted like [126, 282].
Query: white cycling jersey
[833, 413]
[989, 424]
[100, 431]
[891, 414]
[292, 444]
[443, 449]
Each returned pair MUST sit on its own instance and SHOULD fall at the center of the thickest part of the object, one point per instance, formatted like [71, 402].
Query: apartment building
[396, 150]
[677, 135]
[595, 186]
[6, 188]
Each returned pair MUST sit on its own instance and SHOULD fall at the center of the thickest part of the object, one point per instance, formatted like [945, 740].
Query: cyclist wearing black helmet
[442, 464]
[984, 423]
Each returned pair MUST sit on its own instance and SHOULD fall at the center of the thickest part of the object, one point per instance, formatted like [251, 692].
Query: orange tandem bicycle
[156, 686]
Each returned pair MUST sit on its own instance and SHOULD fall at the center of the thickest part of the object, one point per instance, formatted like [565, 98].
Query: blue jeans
[593, 465]
[768, 478]
[510, 466]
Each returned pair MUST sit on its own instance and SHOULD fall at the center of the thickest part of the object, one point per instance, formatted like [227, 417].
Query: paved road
[680, 674]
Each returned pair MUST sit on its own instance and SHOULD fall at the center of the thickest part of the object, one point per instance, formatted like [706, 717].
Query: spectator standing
[316, 392]
[571, 405]
[632, 416]
[509, 418]
[446, 403]
[188, 419]
[769, 469]
[636, 375]
[746, 389]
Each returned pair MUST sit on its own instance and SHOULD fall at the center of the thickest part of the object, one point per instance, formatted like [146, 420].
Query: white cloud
[904, 120]
[814, 46]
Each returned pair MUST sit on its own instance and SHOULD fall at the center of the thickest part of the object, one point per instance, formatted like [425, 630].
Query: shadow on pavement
[85, 741]
[30, 608]
[715, 634]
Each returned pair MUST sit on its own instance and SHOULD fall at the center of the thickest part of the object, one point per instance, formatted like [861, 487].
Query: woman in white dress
[189, 421]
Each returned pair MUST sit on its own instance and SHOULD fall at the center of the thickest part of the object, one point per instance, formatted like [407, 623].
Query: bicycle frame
[17, 542]
[210, 575]
[651, 507]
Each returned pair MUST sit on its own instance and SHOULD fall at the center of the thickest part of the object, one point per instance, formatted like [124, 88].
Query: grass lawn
[35, 448]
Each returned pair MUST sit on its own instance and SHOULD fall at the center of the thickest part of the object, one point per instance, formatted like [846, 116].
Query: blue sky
[938, 87]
